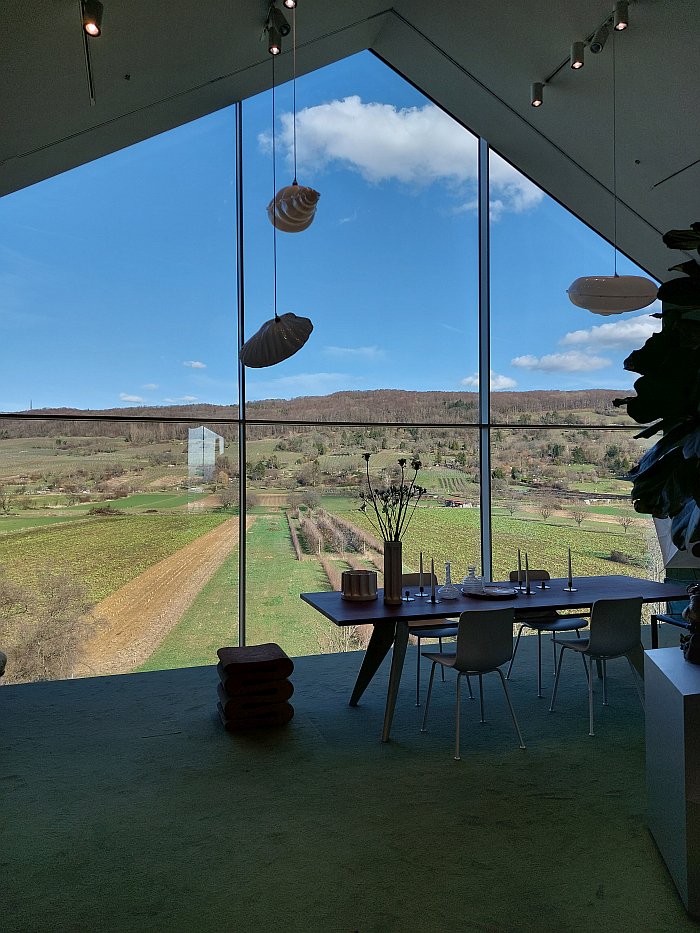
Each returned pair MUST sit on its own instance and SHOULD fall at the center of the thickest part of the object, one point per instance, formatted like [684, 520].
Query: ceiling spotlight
[277, 19]
[290, 4]
[274, 40]
[576, 55]
[92, 17]
[621, 18]
[599, 39]
[536, 91]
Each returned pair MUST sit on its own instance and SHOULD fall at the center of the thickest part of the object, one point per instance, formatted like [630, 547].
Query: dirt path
[135, 619]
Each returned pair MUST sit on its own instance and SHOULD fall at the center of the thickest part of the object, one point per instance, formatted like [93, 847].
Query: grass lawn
[17, 523]
[157, 500]
[275, 612]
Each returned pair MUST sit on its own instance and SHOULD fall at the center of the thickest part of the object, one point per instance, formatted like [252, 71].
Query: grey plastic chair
[615, 632]
[422, 628]
[547, 620]
[484, 643]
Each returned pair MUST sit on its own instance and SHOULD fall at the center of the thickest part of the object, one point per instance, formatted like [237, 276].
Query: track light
[274, 40]
[290, 4]
[277, 19]
[92, 17]
[576, 55]
[599, 39]
[621, 17]
[536, 91]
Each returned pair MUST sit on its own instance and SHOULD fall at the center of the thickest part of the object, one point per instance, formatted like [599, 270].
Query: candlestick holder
[421, 594]
[407, 597]
[570, 588]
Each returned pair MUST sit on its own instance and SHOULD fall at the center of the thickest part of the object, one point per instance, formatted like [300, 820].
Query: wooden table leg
[381, 640]
[397, 659]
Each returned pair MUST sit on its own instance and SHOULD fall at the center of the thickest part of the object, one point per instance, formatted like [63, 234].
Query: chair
[615, 632]
[484, 643]
[673, 615]
[547, 620]
[426, 628]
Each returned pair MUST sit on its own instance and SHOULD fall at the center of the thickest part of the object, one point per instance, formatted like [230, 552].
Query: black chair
[672, 616]
[547, 620]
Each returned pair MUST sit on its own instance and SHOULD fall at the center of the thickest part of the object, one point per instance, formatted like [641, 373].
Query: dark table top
[588, 590]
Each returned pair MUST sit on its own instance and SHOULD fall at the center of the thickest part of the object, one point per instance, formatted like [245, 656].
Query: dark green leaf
[683, 292]
[682, 239]
[691, 267]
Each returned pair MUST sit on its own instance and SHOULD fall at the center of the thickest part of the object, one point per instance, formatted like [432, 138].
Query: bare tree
[578, 516]
[4, 500]
[546, 510]
[511, 506]
[626, 521]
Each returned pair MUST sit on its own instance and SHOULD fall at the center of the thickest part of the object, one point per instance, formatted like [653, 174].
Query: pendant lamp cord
[274, 194]
[294, 89]
[614, 130]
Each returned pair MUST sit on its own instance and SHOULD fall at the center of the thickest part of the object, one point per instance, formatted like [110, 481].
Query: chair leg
[585, 666]
[554, 653]
[418, 674]
[517, 642]
[539, 663]
[635, 679]
[427, 699]
[556, 679]
[605, 683]
[590, 697]
[469, 684]
[442, 669]
[457, 708]
[481, 696]
[510, 707]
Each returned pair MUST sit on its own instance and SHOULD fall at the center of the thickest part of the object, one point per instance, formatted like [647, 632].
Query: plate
[493, 592]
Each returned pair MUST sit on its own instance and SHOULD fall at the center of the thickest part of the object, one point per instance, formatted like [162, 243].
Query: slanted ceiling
[164, 62]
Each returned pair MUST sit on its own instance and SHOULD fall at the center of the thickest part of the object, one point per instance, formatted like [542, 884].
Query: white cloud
[188, 398]
[194, 364]
[623, 334]
[150, 385]
[125, 397]
[498, 382]
[572, 361]
[413, 145]
[364, 353]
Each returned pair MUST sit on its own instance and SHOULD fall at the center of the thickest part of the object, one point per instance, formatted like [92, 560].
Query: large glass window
[387, 272]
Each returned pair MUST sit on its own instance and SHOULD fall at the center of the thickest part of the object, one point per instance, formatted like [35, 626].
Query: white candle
[527, 574]
[520, 569]
[420, 577]
[432, 580]
[570, 577]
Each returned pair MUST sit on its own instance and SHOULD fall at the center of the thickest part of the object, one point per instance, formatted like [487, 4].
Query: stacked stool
[254, 687]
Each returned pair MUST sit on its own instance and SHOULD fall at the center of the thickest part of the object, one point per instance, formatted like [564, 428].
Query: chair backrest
[413, 579]
[484, 639]
[615, 626]
[533, 574]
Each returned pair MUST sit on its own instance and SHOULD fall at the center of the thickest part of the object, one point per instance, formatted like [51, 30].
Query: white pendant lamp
[285, 334]
[612, 294]
[293, 207]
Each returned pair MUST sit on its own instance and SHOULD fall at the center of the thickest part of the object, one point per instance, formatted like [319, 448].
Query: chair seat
[673, 619]
[560, 624]
[433, 631]
[578, 644]
[445, 658]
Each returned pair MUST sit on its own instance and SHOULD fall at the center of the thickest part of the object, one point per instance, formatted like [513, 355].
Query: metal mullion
[485, 524]
[240, 296]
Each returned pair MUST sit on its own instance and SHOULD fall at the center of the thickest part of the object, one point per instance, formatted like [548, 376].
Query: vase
[393, 567]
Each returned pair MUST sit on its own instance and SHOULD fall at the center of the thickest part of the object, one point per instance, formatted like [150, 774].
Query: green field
[103, 553]
[157, 500]
[27, 520]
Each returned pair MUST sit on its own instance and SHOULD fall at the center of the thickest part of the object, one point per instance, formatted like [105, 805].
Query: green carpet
[125, 807]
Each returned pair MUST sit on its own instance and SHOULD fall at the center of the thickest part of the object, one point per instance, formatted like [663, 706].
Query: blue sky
[118, 286]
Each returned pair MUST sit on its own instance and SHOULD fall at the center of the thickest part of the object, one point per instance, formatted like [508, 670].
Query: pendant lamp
[293, 207]
[612, 294]
[281, 337]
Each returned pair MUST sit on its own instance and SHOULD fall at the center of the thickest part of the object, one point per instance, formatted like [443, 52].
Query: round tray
[493, 592]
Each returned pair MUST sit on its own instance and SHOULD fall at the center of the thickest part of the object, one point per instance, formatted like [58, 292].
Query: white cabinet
[672, 688]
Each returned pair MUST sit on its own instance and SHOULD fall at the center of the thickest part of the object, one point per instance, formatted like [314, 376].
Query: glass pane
[558, 489]
[122, 272]
[387, 271]
[113, 557]
[559, 363]
[305, 527]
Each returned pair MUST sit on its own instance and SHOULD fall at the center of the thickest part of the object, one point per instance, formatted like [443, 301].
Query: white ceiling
[476, 58]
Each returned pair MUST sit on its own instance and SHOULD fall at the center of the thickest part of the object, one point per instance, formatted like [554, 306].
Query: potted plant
[666, 481]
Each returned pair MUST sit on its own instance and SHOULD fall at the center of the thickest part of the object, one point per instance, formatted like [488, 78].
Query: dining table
[391, 623]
